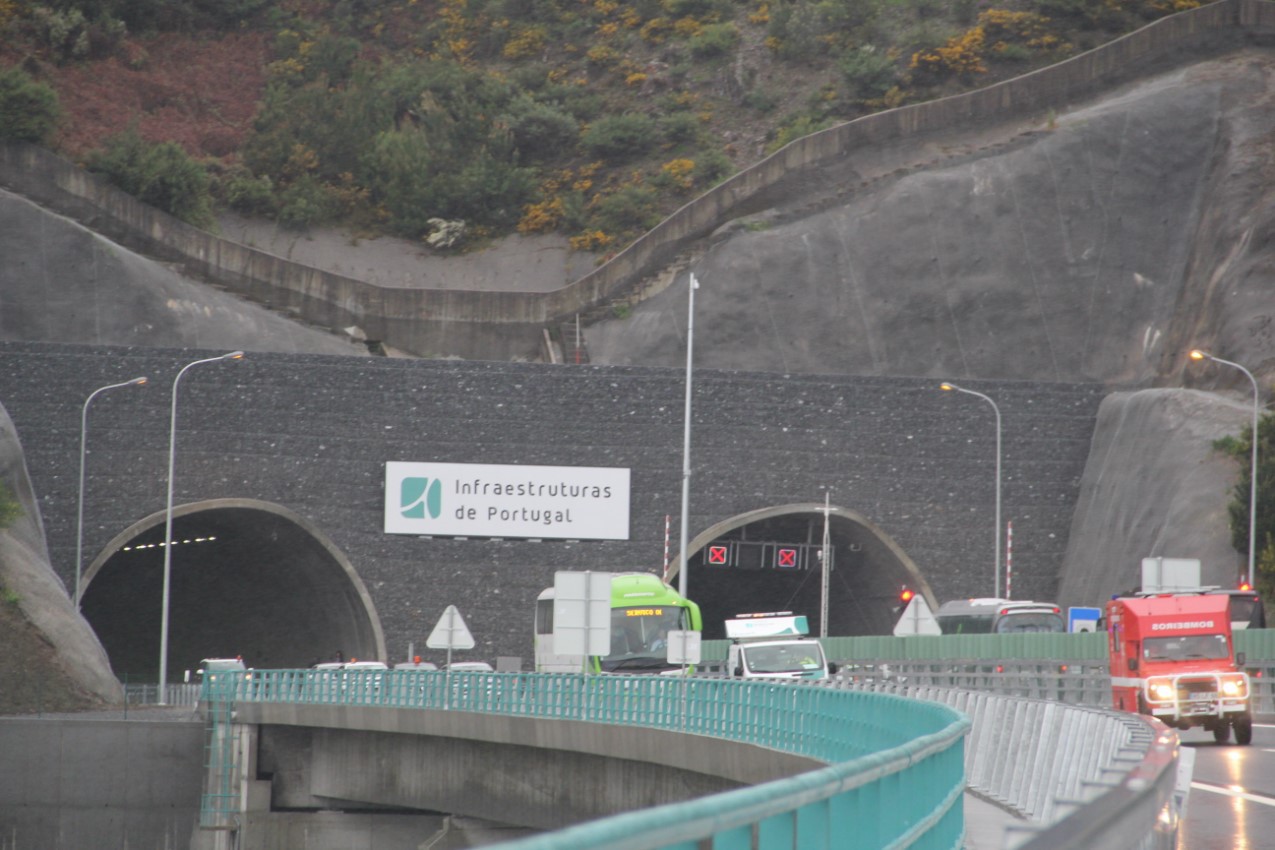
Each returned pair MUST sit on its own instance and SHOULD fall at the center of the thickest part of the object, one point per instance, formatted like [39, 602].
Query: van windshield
[1185, 647]
[784, 658]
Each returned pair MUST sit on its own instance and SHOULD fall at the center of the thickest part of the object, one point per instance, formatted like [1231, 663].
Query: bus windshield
[1017, 622]
[1185, 647]
[964, 624]
[639, 636]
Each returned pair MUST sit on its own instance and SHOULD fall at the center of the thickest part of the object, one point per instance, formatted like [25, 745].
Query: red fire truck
[1172, 657]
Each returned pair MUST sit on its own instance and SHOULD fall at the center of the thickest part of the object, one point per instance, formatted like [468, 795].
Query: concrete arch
[256, 580]
[873, 568]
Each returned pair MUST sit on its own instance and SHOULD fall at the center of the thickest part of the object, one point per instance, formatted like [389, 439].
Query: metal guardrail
[180, 696]
[1081, 778]
[895, 774]
[1074, 682]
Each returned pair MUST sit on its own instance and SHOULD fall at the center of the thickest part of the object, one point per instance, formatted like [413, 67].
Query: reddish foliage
[201, 92]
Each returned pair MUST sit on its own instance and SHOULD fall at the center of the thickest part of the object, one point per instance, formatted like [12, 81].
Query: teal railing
[895, 766]
[1070, 647]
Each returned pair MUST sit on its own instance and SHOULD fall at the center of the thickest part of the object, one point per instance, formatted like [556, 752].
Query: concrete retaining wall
[80, 783]
[505, 325]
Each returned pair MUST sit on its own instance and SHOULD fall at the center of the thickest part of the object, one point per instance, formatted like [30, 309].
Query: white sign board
[683, 647]
[486, 500]
[581, 613]
[1169, 574]
[451, 632]
[917, 619]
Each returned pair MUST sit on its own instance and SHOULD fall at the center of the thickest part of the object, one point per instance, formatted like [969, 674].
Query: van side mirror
[832, 668]
[1239, 659]
[1133, 663]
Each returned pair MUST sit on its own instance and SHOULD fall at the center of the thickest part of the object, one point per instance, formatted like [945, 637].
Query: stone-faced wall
[313, 433]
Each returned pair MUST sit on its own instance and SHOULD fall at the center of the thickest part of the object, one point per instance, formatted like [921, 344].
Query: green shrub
[712, 167]
[244, 192]
[795, 30]
[304, 203]
[162, 175]
[582, 104]
[868, 73]
[10, 509]
[633, 209]
[795, 128]
[695, 8]
[65, 33]
[679, 127]
[542, 132]
[29, 110]
[762, 101]
[619, 137]
[714, 40]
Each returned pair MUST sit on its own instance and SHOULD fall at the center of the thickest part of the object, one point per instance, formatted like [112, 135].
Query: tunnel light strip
[160, 545]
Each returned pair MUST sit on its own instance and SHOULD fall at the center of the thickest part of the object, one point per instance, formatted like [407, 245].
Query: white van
[774, 646]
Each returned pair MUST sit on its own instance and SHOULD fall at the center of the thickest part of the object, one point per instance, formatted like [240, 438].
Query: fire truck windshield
[1185, 647]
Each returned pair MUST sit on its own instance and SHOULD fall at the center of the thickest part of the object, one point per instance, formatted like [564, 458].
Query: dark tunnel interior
[243, 582]
[774, 565]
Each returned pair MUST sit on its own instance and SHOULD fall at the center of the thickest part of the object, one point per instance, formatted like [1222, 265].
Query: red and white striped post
[666, 533]
[1009, 558]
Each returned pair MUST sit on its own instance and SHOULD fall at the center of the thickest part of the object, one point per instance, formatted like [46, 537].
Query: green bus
[643, 611]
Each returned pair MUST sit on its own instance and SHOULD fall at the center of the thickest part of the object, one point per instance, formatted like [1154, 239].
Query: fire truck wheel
[1222, 733]
[1244, 731]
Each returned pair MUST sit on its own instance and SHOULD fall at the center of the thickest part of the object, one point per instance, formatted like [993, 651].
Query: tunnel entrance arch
[769, 560]
[247, 578]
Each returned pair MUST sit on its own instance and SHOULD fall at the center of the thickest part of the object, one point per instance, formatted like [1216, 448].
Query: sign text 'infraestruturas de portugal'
[490, 500]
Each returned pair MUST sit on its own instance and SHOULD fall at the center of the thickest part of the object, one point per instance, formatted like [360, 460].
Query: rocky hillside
[52, 660]
[590, 119]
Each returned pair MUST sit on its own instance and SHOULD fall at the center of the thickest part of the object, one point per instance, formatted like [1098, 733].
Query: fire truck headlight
[1161, 690]
[1234, 687]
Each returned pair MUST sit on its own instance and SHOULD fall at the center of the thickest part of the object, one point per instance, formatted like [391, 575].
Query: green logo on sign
[421, 496]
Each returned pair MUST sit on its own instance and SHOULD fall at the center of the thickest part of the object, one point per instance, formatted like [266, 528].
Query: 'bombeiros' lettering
[1185, 624]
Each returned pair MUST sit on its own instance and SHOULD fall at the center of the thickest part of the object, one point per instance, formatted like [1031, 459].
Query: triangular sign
[451, 632]
[917, 619]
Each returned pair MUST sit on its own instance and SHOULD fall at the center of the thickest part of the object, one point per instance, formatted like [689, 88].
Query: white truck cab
[209, 668]
[774, 646]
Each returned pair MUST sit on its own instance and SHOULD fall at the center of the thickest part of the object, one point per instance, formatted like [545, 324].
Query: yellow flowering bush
[527, 41]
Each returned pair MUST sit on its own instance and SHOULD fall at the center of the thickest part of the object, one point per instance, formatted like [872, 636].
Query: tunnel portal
[770, 560]
[247, 579]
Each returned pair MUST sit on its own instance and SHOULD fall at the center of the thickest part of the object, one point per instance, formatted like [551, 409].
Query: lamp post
[686, 437]
[950, 386]
[1197, 354]
[79, 521]
[168, 523]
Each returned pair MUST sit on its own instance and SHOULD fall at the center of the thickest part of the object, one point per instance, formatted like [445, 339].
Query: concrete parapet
[70, 783]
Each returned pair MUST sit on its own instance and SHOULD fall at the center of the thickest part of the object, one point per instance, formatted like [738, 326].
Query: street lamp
[79, 522]
[168, 522]
[1197, 354]
[686, 437]
[950, 386]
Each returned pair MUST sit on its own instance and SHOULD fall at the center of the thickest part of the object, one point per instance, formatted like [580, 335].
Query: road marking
[1230, 792]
